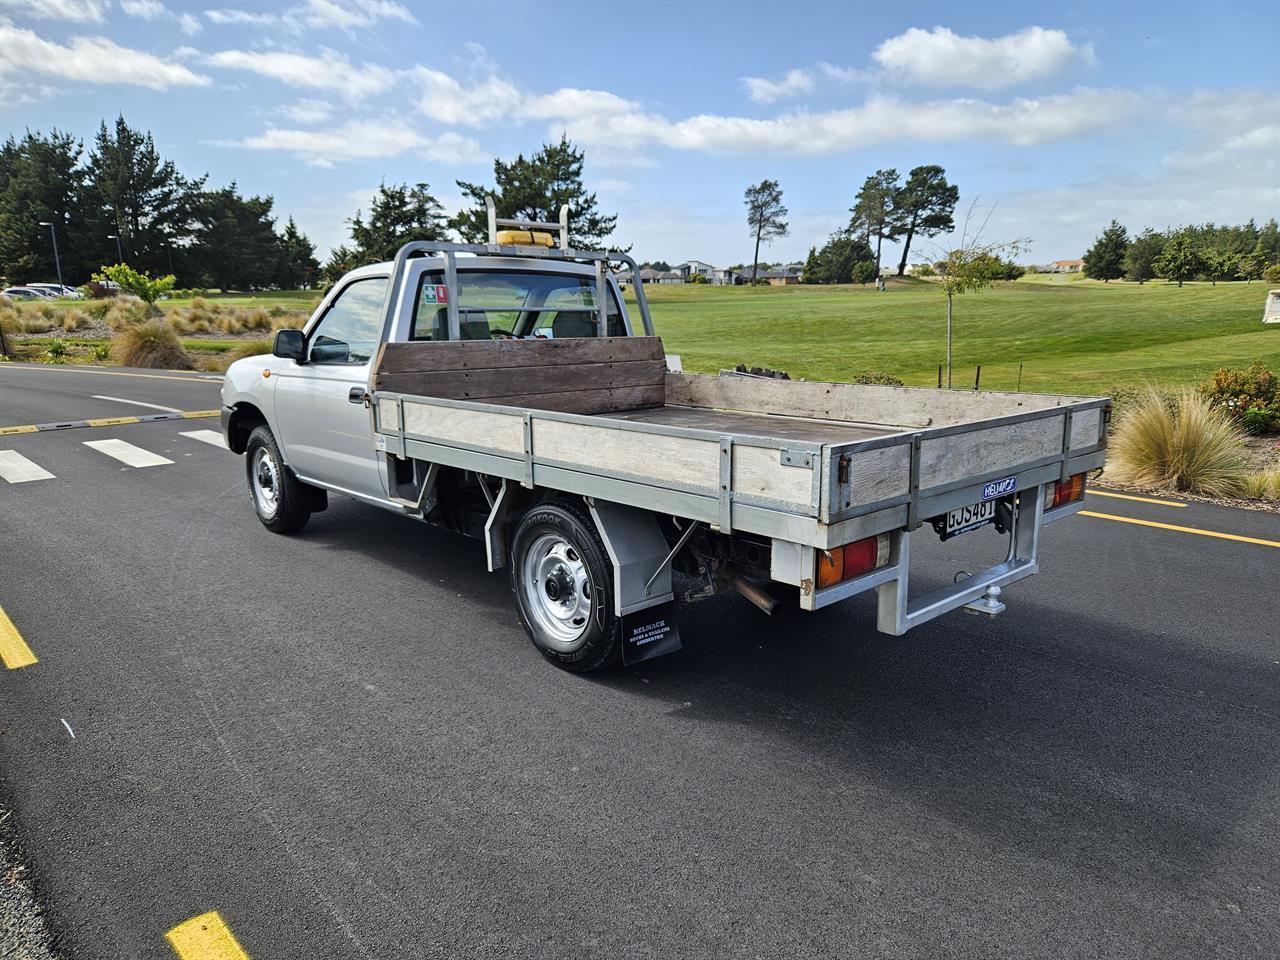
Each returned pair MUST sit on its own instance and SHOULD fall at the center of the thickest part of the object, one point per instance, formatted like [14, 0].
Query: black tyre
[283, 502]
[563, 581]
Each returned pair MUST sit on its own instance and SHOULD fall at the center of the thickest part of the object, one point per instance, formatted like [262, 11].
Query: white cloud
[308, 111]
[844, 74]
[763, 90]
[189, 24]
[1022, 122]
[73, 11]
[317, 15]
[939, 57]
[90, 60]
[329, 71]
[445, 99]
[364, 140]
[569, 103]
[227, 17]
[145, 9]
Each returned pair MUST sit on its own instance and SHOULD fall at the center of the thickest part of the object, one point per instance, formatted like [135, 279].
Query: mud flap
[649, 633]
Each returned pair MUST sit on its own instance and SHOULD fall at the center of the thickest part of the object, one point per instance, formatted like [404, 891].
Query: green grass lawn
[1070, 335]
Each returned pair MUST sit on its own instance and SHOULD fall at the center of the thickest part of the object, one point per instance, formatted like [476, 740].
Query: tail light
[1069, 490]
[852, 560]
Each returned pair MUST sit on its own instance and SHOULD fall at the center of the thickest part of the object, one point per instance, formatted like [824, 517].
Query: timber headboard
[579, 375]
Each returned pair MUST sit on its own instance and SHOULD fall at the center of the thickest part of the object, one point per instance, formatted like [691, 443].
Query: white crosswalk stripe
[15, 468]
[127, 453]
[211, 437]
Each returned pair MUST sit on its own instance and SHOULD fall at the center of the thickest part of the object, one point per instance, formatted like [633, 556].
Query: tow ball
[989, 604]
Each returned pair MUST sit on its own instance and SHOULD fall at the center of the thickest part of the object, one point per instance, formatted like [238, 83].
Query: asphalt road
[344, 743]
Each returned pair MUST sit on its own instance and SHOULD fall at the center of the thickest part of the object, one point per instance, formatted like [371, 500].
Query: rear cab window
[519, 304]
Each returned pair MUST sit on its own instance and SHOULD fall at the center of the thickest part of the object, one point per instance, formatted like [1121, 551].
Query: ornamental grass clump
[152, 344]
[1187, 446]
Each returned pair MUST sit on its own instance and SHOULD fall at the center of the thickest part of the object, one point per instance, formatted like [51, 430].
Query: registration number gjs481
[974, 515]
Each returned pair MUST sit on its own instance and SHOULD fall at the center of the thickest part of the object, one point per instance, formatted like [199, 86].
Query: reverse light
[852, 560]
[1069, 490]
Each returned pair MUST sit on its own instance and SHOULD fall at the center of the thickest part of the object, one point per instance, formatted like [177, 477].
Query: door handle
[356, 395]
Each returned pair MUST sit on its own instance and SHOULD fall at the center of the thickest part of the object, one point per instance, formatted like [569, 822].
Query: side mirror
[290, 345]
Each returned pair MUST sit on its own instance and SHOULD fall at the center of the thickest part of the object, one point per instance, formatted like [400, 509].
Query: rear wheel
[563, 583]
[281, 500]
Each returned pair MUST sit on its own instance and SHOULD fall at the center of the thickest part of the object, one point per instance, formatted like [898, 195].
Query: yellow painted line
[49, 367]
[28, 428]
[197, 414]
[1129, 496]
[111, 421]
[13, 649]
[205, 937]
[1169, 526]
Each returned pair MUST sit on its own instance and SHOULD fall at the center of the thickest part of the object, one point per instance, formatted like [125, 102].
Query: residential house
[784, 277]
[648, 275]
[1066, 266]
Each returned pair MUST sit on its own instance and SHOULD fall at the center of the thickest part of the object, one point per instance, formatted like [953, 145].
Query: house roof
[1068, 263]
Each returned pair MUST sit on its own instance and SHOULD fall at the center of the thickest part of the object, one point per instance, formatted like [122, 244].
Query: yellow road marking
[205, 937]
[111, 421]
[197, 414]
[1169, 526]
[44, 367]
[28, 428]
[13, 649]
[1129, 496]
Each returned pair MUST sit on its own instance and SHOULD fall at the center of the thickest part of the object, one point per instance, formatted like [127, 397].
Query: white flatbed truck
[504, 390]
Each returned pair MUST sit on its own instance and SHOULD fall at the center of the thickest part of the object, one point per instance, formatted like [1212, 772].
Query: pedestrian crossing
[18, 467]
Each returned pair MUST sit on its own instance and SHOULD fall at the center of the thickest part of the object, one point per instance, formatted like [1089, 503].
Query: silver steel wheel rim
[558, 590]
[266, 483]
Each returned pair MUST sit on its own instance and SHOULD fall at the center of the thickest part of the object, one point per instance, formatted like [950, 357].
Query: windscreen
[495, 304]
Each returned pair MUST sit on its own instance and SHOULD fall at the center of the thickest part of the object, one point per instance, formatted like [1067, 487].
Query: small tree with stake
[766, 217]
[972, 266]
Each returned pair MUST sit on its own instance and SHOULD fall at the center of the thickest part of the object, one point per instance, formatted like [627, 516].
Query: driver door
[328, 436]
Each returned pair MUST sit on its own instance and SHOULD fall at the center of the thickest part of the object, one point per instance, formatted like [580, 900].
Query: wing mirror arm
[290, 345]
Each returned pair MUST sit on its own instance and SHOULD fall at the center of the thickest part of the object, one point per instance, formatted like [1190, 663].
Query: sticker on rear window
[435, 293]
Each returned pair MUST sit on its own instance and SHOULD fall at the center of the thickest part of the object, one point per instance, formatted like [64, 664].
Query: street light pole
[57, 261]
[119, 249]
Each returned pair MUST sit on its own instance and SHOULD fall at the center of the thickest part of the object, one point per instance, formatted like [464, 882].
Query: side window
[350, 328]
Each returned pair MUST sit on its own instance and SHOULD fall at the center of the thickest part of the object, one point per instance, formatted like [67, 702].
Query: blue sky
[1054, 118]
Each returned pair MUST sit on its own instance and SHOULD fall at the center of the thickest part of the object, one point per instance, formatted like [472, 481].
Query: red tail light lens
[1069, 490]
[852, 560]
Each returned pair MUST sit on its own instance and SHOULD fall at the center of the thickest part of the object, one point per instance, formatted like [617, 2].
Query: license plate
[964, 519]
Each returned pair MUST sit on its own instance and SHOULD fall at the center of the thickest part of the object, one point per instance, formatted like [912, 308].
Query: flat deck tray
[753, 424]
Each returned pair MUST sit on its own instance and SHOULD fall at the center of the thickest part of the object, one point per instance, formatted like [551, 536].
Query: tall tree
[399, 213]
[1140, 258]
[40, 182]
[874, 214]
[236, 247]
[1179, 260]
[925, 206]
[1221, 265]
[839, 258]
[1105, 259]
[297, 266]
[134, 193]
[535, 189]
[1253, 263]
[766, 216]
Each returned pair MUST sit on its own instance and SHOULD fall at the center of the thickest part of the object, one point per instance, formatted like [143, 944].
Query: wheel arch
[245, 417]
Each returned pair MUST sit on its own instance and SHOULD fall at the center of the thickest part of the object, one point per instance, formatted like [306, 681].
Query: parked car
[58, 290]
[25, 293]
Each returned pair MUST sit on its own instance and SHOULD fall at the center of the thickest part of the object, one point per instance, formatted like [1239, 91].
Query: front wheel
[563, 583]
[279, 497]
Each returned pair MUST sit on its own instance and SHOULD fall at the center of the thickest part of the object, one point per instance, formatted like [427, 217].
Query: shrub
[56, 351]
[1250, 397]
[923, 270]
[250, 348]
[98, 310]
[100, 352]
[98, 291]
[883, 379]
[1261, 486]
[864, 271]
[146, 288]
[73, 320]
[36, 323]
[1272, 273]
[152, 344]
[1195, 448]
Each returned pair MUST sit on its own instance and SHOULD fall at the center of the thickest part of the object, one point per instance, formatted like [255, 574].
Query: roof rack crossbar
[491, 211]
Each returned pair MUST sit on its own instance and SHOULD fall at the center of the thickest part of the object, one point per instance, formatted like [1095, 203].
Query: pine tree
[765, 216]
[535, 189]
[297, 267]
[810, 272]
[1140, 258]
[926, 207]
[398, 214]
[874, 214]
[1105, 259]
[1179, 260]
